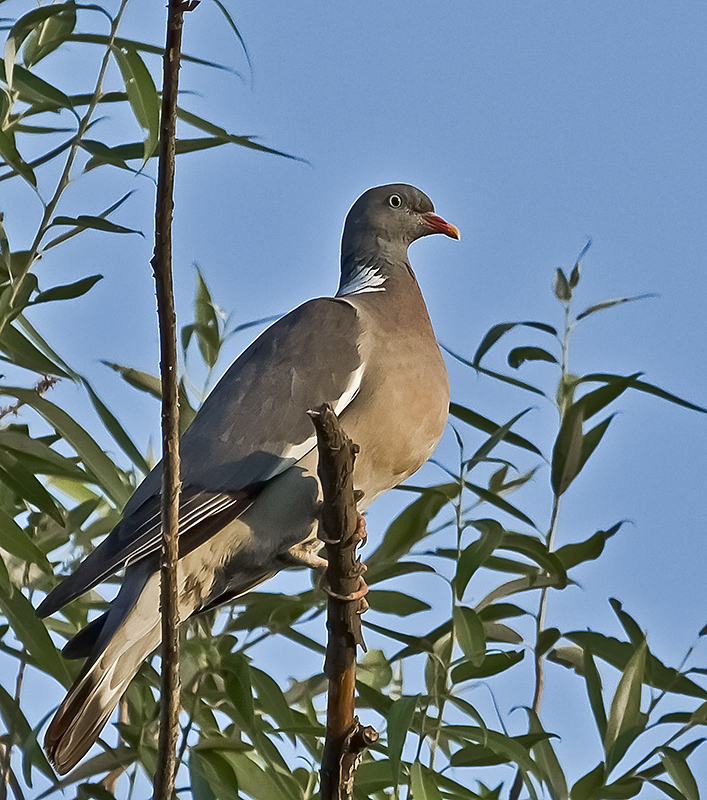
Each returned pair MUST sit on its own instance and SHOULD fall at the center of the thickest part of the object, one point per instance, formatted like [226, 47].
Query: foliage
[463, 548]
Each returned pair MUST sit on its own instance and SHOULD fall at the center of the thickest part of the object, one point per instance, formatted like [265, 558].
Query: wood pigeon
[250, 493]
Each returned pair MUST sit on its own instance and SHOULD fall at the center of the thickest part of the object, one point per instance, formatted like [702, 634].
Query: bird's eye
[395, 200]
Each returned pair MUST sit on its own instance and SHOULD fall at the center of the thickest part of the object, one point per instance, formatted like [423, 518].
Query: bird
[250, 494]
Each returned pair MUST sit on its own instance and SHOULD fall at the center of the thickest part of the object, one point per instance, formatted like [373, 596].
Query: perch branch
[342, 529]
[162, 268]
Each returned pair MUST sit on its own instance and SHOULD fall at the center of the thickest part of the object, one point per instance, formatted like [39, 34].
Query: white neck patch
[364, 278]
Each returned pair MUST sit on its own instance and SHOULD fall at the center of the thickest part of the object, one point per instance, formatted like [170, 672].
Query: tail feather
[127, 637]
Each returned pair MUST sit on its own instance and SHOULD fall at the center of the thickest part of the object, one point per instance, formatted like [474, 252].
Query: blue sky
[532, 126]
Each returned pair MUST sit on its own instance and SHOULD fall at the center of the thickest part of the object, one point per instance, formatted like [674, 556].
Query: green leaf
[476, 554]
[493, 664]
[15, 475]
[497, 331]
[498, 502]
[590, 549]
[50, 34]
[567, 452]
[588, 786]
[527, 584]
[594, 691]
[497, 436]
[211, 776]
[677, 767]
[562, 287]
[610, 303]
[642, 386]
[398, 603]
[500, 611]
[492, 374]
[470, 634]
[11, 156]
[97, 38]
[84, 221]
[116, 430]
[232, 25]
[514, 749]
[28, 628]
[207, 323]
[411, 525]
[546, 759]
[437, 668]
[487, 426]
[400, 718]
[68, 291]
[33, 90]
[533, 548]
[618, 654]
[625, 712]
[19, 544]
[667, 789]
[546, 639]
[94, 459]
[387, 571]
[423, 784]
[144, 381]
[374, 669]
[142, 95]
[520, 355]
[628, 623]
[24, 26]
[238, 686]
[477, 755]
[224, 137]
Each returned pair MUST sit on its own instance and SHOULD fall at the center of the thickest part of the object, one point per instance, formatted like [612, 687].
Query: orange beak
[438, 225]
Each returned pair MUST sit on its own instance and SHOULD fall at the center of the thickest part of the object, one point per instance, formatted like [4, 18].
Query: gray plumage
[250, 492]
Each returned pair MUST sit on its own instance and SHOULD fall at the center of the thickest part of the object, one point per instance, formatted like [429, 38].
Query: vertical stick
[345, 738]
[162, 268]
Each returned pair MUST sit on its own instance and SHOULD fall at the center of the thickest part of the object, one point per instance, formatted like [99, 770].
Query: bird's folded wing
[252, 427]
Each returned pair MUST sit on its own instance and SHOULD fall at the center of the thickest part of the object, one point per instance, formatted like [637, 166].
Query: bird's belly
[403, 425]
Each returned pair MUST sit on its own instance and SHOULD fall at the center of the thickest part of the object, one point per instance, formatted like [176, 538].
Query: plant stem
[162, 267]
[65, 177]
[552, 530]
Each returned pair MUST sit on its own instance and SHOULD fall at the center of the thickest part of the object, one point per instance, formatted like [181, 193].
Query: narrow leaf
[144, 381]
[19, 544]
[400, 718]
[142, 95]
[492, 664]
[625, 711]
[487, 426]
[497, 331]
[610, 303]
[84, 221]
[68, 291]
[547, 760]
[423, 785]
[30, 630]
[519, 355]
[678, 769]
[590, 549]
[470, 634]
[498, 502]
[476, 554]
[411, 525]
[567, 452]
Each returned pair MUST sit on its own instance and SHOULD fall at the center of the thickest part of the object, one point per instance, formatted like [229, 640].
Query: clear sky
[532, 126]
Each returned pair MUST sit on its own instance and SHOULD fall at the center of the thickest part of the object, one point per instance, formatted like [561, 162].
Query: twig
[162, 268]
[342, 531]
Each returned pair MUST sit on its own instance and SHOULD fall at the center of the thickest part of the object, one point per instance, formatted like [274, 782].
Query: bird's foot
[358, 594]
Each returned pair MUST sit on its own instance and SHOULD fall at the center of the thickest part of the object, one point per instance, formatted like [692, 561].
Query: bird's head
[393, 216]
